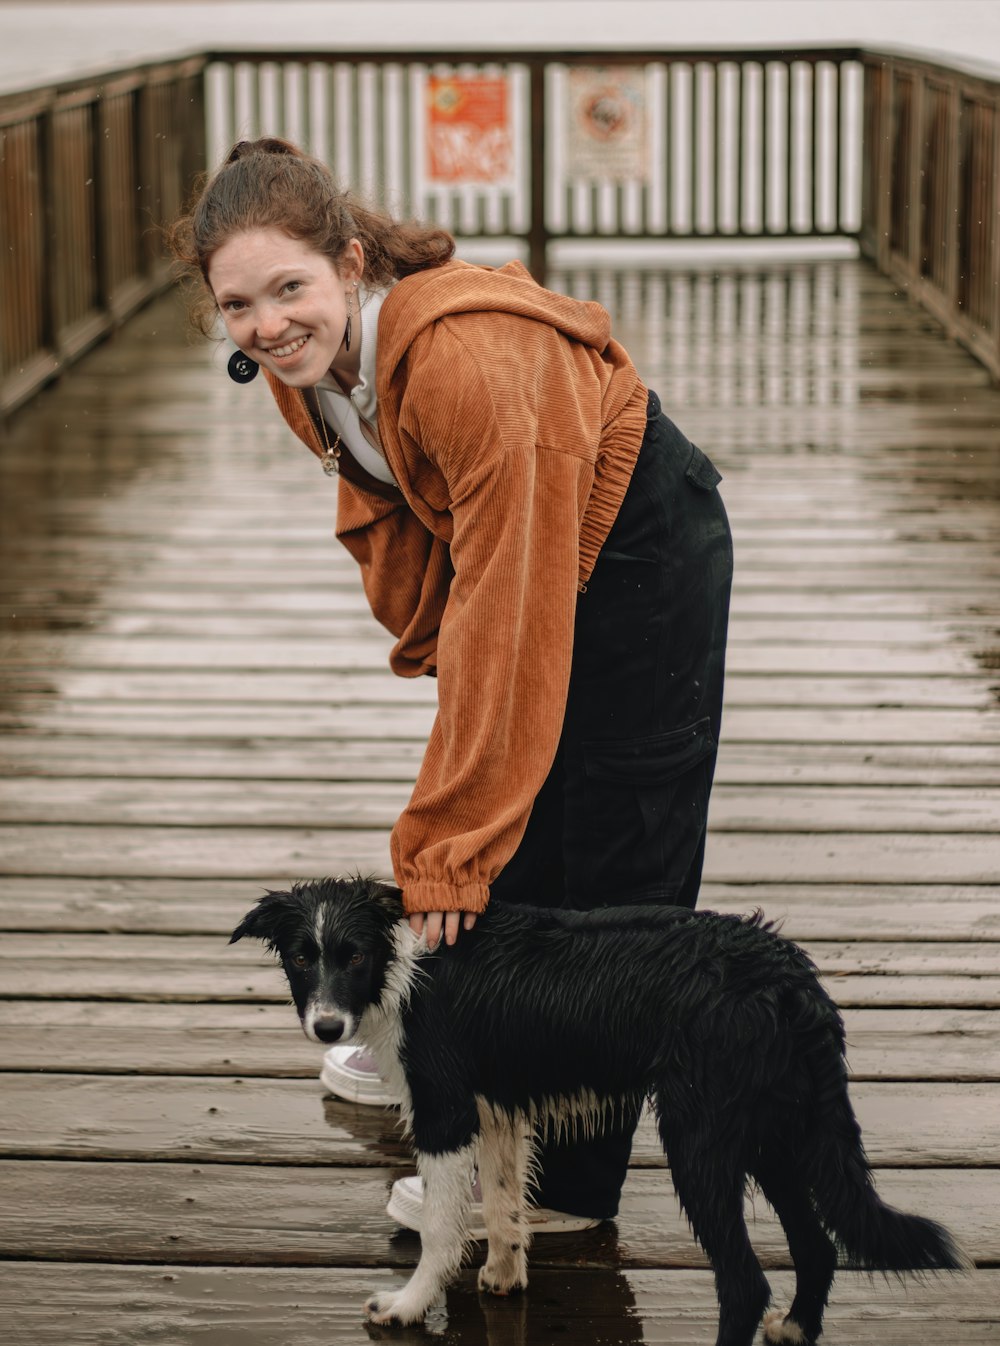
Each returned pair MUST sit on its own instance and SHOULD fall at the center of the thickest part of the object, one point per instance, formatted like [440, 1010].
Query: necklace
[330, 457]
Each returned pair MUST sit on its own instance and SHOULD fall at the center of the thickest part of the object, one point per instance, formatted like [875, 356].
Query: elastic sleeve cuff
[426, 895]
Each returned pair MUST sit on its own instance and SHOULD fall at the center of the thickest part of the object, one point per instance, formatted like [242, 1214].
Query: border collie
[549, 1018]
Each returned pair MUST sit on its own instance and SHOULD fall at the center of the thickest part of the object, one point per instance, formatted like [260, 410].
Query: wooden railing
[898, 152]
[740, 144]
[931, 215]
[89, 172]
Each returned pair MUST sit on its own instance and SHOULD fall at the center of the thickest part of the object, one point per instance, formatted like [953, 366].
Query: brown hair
[270, 183]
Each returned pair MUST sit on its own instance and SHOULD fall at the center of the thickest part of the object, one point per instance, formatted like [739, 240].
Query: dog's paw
[780, 1330]
[495, 1280]
[390, 1308]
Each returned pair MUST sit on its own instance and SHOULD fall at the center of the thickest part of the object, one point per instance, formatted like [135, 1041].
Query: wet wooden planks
[138, 1118]
[221, 1306]
[196, 705]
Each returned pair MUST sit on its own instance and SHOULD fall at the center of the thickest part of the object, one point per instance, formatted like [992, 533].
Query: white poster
[607, 123]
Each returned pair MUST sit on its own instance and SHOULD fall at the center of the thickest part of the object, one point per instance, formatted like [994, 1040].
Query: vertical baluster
[813, 157]
[838, 147]
[993, 212]
[766, 110]
[719, 74]
[668, 146]
[738, 133]
[694, 172]
[789, 123]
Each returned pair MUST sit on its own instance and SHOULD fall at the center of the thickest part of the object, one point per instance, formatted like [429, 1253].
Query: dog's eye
[300, 961]
[356, 959]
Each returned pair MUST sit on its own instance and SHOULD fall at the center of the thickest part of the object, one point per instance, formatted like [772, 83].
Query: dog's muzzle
[332, 1028]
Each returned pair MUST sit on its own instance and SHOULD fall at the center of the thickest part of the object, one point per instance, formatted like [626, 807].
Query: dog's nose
[329, 1030]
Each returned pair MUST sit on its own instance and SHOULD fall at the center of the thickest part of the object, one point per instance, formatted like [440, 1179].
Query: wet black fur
[718, 1020]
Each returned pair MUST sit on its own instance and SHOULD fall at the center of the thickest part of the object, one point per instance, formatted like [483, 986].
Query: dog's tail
[874, 1236]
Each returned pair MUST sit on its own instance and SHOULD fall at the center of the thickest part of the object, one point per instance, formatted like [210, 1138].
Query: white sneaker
[406, 1207]
[350, 1072]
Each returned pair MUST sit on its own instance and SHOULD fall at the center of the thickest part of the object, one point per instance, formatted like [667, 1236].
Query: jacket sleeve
[505, 641]
[387, 539]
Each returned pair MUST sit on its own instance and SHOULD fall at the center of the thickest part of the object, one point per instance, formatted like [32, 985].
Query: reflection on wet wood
[331, 1215]
[253, 1306]
[150, 1118]
[196, 704]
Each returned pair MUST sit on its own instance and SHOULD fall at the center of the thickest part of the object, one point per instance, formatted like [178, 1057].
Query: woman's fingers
[435, 920]
[441, 922]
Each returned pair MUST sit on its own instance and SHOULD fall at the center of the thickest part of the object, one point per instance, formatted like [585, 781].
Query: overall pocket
[647, 802]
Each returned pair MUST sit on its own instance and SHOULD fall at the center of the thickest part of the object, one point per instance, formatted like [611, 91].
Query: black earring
[350, 310]
[241, 368]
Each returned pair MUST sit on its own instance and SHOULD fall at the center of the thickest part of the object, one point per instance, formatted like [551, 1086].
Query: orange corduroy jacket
[511, 421]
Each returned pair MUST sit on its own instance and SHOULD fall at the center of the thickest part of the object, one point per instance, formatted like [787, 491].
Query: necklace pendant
[329, 462]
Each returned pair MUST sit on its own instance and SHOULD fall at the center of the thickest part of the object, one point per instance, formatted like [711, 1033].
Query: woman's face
[284, 304]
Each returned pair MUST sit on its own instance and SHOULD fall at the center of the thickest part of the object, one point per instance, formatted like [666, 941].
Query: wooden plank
[259, 1306]
[170, 754]
[225, 535]
[322, 759]
[137, 599]
[95, 651]
[194, 803]
[200, 1038]
[265, 854]
[309, 1216]
[334, 627]
[247, 520]
[196, 967]
[139, 596]
[357, 687]
[232, 1120]
[809, 911]
[370, 722]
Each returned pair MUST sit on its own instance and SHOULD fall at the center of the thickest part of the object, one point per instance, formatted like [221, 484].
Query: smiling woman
[534, 533]
[287, 306]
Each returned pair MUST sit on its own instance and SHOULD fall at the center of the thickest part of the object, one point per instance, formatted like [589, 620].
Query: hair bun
[265, 145]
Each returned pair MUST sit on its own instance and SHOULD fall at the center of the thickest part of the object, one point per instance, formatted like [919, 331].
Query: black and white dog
[555, 1017]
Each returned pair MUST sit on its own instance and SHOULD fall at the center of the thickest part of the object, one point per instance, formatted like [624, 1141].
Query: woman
[534, 533]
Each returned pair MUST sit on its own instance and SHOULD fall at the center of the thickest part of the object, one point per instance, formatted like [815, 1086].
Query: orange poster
[468, 129]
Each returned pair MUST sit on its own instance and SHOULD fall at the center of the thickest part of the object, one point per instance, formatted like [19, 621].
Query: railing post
[913, 240]
[52, 287]
[952, 193]
[537, 233]
[994, 209]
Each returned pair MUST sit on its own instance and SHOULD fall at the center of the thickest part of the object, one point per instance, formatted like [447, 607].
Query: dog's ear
[262, 921]
[388, 899]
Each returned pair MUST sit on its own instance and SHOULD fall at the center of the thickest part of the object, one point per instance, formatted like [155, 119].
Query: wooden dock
[196, 705]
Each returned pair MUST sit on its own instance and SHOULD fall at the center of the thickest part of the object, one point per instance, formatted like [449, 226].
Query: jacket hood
[417, 301]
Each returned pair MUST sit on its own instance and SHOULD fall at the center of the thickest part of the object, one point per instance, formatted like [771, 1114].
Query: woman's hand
[449, 920]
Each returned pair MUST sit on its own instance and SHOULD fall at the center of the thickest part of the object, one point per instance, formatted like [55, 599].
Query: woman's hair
[271, 184]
